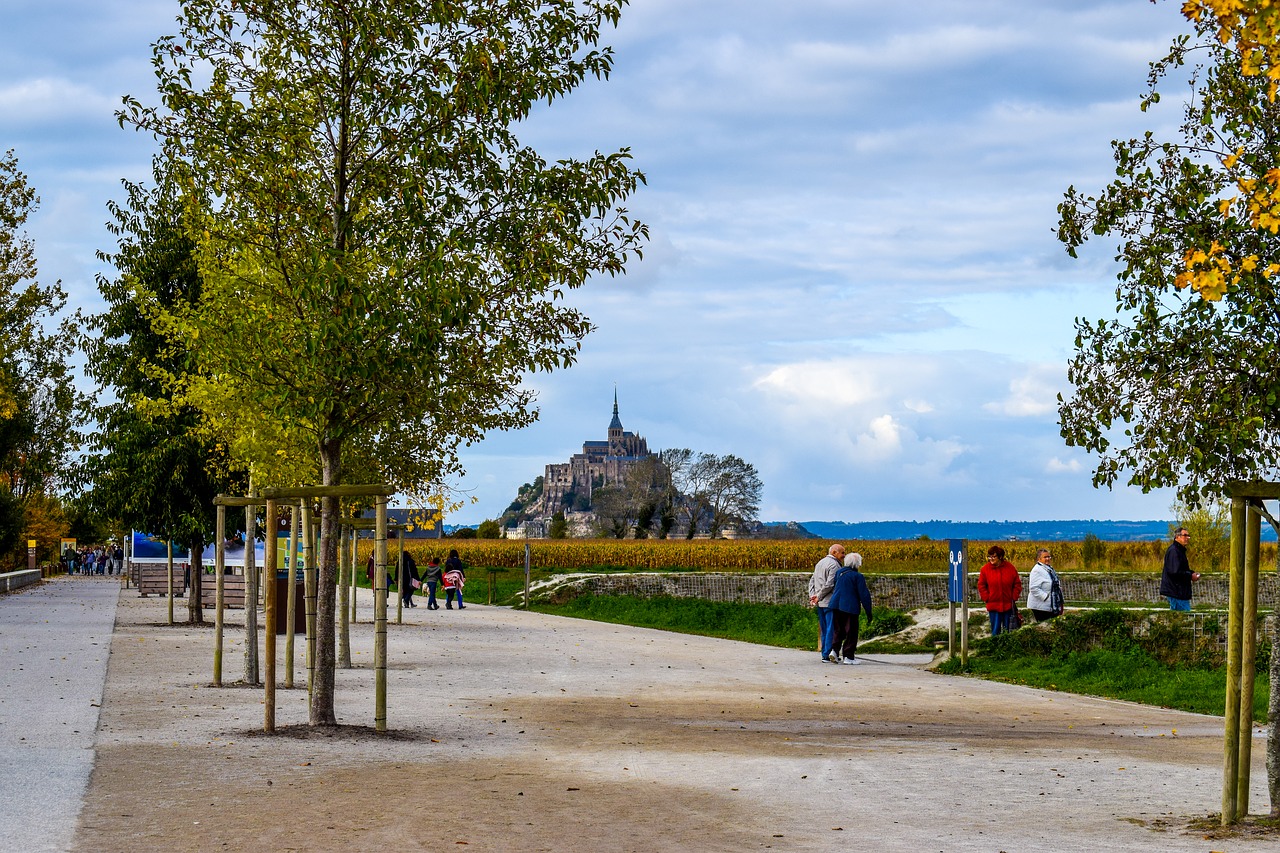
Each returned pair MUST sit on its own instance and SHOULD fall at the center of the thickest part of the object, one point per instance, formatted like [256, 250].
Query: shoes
[448, 607]
[461, 607]
[833, 657]
[852, 661]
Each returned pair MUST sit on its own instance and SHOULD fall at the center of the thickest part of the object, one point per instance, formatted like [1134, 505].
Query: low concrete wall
[900, 592]
[10, 581]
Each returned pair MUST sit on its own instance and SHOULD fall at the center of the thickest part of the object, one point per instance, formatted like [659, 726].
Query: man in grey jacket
[820, 587]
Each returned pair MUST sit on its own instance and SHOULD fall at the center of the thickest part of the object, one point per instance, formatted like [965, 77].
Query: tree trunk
[322, 697]
[195, 607]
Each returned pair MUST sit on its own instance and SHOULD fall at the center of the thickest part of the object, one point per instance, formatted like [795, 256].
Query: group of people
[1000, 587]
[100, 560]
[452, 575]
[839, 593]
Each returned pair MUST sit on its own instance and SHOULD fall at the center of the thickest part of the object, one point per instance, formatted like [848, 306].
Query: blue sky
[853, 281]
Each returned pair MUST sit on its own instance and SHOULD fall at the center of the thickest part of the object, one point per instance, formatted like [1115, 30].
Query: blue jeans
[999, 622]
[1179, 603]
[826, 628]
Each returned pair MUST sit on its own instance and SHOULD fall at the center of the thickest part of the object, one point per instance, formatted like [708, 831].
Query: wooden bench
[232, 591]
[153, 579]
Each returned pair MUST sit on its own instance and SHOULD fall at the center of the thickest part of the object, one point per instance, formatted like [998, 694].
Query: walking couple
[839, 593]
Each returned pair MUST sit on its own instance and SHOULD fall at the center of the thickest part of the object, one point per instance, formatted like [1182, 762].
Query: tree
[153, 465]
[559, 527]
[39, 404]
[489, 529]
[1181, 387]
[718, 491]
[612, 511]
[385, 260]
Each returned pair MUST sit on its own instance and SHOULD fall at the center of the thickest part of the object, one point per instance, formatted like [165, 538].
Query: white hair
[853, 561]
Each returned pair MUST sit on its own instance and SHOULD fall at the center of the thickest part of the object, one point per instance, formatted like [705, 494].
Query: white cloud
[1057, 466]
[1030, 396]
[45, 100]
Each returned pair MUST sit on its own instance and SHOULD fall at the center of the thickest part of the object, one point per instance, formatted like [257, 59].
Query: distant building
[568, 485]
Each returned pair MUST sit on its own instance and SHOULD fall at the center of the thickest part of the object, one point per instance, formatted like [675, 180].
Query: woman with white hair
[849, 599]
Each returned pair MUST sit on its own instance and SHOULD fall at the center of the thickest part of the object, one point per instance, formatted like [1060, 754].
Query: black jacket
[1175, 581]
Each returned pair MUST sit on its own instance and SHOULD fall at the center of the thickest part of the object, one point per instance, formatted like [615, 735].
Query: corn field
[879, 556]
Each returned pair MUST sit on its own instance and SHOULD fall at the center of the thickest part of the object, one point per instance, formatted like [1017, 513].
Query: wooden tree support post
[309, 575]
[1248, 653]
[355, 566]
[346, 569]
[219, 562]
[252, 590]
[400, 580]
[1231, 715]
[290, 594]
[269, 675]
[169, 562]
[380, 617]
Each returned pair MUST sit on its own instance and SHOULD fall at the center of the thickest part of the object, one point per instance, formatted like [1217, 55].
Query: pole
[269, 698]
[1248, 653]
[309, 568]
[964, 623]
[380, 617]
[526, 576]
[346, 568]
[1231, 716]
[291, 593]
[169, 563]
[219, 562]
[251, 591]
[951, 629]
[355, 562]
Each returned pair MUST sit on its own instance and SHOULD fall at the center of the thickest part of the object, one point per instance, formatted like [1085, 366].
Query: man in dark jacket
[408, 574]
[849, 598]
[1175, 580]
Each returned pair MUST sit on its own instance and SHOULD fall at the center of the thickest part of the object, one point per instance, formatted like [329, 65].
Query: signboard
[958, 572]
[31, 553]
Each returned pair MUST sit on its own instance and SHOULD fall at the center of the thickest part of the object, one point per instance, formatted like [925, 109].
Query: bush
[489, 529]
[1093, 551]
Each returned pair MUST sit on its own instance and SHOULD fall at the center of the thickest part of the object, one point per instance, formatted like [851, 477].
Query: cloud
[48, 100]
[1031, 396]
[1057, 466]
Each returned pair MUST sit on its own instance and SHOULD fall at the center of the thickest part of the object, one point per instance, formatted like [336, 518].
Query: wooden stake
[269, 698]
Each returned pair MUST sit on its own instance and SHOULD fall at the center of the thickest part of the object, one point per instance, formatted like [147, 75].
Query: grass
[1119, 655]
[788, 626]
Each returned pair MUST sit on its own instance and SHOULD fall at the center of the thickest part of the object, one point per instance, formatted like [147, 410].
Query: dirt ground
[518, 731]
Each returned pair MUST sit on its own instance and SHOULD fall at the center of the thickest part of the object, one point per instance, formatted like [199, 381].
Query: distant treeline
[1033, 531]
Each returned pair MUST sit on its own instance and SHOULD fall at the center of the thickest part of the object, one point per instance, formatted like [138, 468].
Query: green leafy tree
[39, 404]
[154, 464]
[386, 260]
[715, 491]
[559, 527]
[1180, 388]
[489, 529]
[1093, 551]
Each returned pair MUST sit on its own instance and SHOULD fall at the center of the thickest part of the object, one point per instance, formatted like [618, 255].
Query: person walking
[409, 579]
[432, 580]
[821, 585]
[1176, 579]
[1000, 587]
[1044, 591]
[849, 598]
[455, 577]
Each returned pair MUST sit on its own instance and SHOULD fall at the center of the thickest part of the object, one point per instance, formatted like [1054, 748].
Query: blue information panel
[958, 557]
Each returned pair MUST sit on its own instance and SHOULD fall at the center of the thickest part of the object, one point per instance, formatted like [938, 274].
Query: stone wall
[900, 592]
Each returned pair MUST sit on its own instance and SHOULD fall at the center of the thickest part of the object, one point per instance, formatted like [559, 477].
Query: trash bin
[282, 605]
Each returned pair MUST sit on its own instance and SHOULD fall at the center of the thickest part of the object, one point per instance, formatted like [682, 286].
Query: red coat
[1000, 586]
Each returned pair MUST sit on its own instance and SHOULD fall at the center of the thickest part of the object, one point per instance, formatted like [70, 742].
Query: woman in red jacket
[1000, 587]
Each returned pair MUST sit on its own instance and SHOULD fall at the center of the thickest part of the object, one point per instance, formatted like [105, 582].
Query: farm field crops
[880, 556]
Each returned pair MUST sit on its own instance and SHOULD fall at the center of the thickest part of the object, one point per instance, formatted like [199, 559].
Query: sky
[852, 280]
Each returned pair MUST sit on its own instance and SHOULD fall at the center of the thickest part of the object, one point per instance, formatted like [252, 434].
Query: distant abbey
[569, 485]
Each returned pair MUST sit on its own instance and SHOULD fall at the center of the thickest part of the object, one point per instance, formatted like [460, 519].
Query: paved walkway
[55, 639]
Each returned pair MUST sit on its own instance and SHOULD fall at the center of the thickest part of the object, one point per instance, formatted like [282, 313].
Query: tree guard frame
[1242, 637]
[274, 499]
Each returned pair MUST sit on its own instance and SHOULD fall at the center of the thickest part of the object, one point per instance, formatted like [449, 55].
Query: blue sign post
[958, 558]
[958, 593]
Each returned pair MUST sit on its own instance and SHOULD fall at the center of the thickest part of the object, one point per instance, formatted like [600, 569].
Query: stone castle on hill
[568, 485]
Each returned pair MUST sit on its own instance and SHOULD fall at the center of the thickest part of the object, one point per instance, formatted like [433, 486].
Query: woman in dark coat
[849, 599]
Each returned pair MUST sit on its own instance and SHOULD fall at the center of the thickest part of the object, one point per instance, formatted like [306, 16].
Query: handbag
[1015, 619]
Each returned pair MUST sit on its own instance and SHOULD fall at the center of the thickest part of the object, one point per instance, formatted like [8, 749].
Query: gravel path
[521, 731]
[54, 643]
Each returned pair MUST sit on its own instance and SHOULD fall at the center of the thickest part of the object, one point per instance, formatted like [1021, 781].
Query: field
[879, 556]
